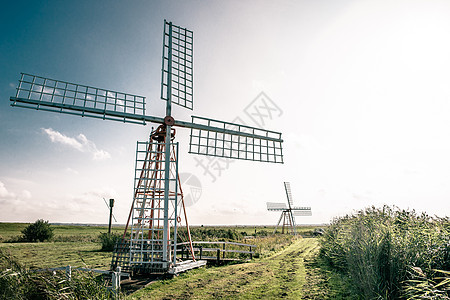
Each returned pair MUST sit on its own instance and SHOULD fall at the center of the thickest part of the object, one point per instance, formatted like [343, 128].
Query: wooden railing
[218, 251]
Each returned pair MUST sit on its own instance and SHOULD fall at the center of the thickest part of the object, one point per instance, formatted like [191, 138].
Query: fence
[217, 251]
[115, 275]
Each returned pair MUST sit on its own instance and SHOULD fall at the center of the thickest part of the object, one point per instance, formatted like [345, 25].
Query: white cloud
[4, 193]
[80, 143]
[72, 171]
[7, 197]
[84, 207]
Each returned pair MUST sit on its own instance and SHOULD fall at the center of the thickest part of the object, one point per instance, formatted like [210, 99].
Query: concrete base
[186, 265]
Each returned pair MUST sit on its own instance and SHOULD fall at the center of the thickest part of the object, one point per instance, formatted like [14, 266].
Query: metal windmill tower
[156, 209]
[288, 212]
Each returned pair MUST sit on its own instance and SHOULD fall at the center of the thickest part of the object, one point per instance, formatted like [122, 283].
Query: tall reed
[377, 247]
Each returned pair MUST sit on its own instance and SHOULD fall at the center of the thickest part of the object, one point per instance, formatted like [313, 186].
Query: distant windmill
[288, 212]
[156, 209]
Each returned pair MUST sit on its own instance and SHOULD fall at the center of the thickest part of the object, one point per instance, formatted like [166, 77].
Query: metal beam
[225, 131]
[66, 108]
[142, 119]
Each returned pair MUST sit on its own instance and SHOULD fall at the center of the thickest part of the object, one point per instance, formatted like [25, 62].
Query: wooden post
[115, 281]
[223, 255]
[111, 205]
[218, 255]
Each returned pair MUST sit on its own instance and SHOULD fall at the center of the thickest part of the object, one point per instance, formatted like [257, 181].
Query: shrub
[109, 241]
[38, 231]
[206, 233]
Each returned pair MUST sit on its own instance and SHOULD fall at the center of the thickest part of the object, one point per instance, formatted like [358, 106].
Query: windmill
[288, 212]
[156, 210]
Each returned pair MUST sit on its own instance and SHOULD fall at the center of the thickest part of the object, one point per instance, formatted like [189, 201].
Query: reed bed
[389, 253]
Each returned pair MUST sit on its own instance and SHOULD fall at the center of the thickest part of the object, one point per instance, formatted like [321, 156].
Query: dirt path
[282, 275]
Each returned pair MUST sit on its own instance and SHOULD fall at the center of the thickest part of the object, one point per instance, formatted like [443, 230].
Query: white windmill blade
[287, 187]
[301, 211]
[177, 65]
[41, 93]
[276, 206]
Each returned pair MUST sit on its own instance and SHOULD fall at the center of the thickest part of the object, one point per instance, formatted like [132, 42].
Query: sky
[358, 89]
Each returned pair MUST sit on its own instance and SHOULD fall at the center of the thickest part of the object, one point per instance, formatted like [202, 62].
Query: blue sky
[360, 89]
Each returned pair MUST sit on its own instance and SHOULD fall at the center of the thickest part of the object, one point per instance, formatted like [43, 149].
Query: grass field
[79, 245]
[383, 253]
[58, 254]
[284, 265]
[73, 245]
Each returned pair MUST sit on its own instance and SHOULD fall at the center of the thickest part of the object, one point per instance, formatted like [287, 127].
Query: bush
[109, 241]
[210, 234]
[39, 231]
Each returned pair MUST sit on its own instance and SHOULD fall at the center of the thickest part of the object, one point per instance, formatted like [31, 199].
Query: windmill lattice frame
[288, 212]
[158, 200]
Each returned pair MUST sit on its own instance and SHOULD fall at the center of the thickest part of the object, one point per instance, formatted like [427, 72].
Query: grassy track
[281, 275]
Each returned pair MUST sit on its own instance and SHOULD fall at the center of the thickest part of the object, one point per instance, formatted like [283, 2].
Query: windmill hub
[169, 120]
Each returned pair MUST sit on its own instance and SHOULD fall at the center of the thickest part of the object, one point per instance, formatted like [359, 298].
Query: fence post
[251, 255]
[201, 251]
[69, 273]
[218, 255]
[115, 281]
[223, 255]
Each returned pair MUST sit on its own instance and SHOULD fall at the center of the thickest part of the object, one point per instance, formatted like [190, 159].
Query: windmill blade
[47, 94]
[276, 206]
[223, 139]
[301, 211]
[107, 205]
[287, 187]
[177, 65]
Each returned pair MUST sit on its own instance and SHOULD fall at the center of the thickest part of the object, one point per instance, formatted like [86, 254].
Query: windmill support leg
[166, 197]
[279, 221]
[191, 248]
[293, 225]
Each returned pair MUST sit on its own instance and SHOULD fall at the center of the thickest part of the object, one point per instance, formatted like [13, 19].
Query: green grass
[11, 230]
[280, 275]
[58, 254]
[72, 245]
